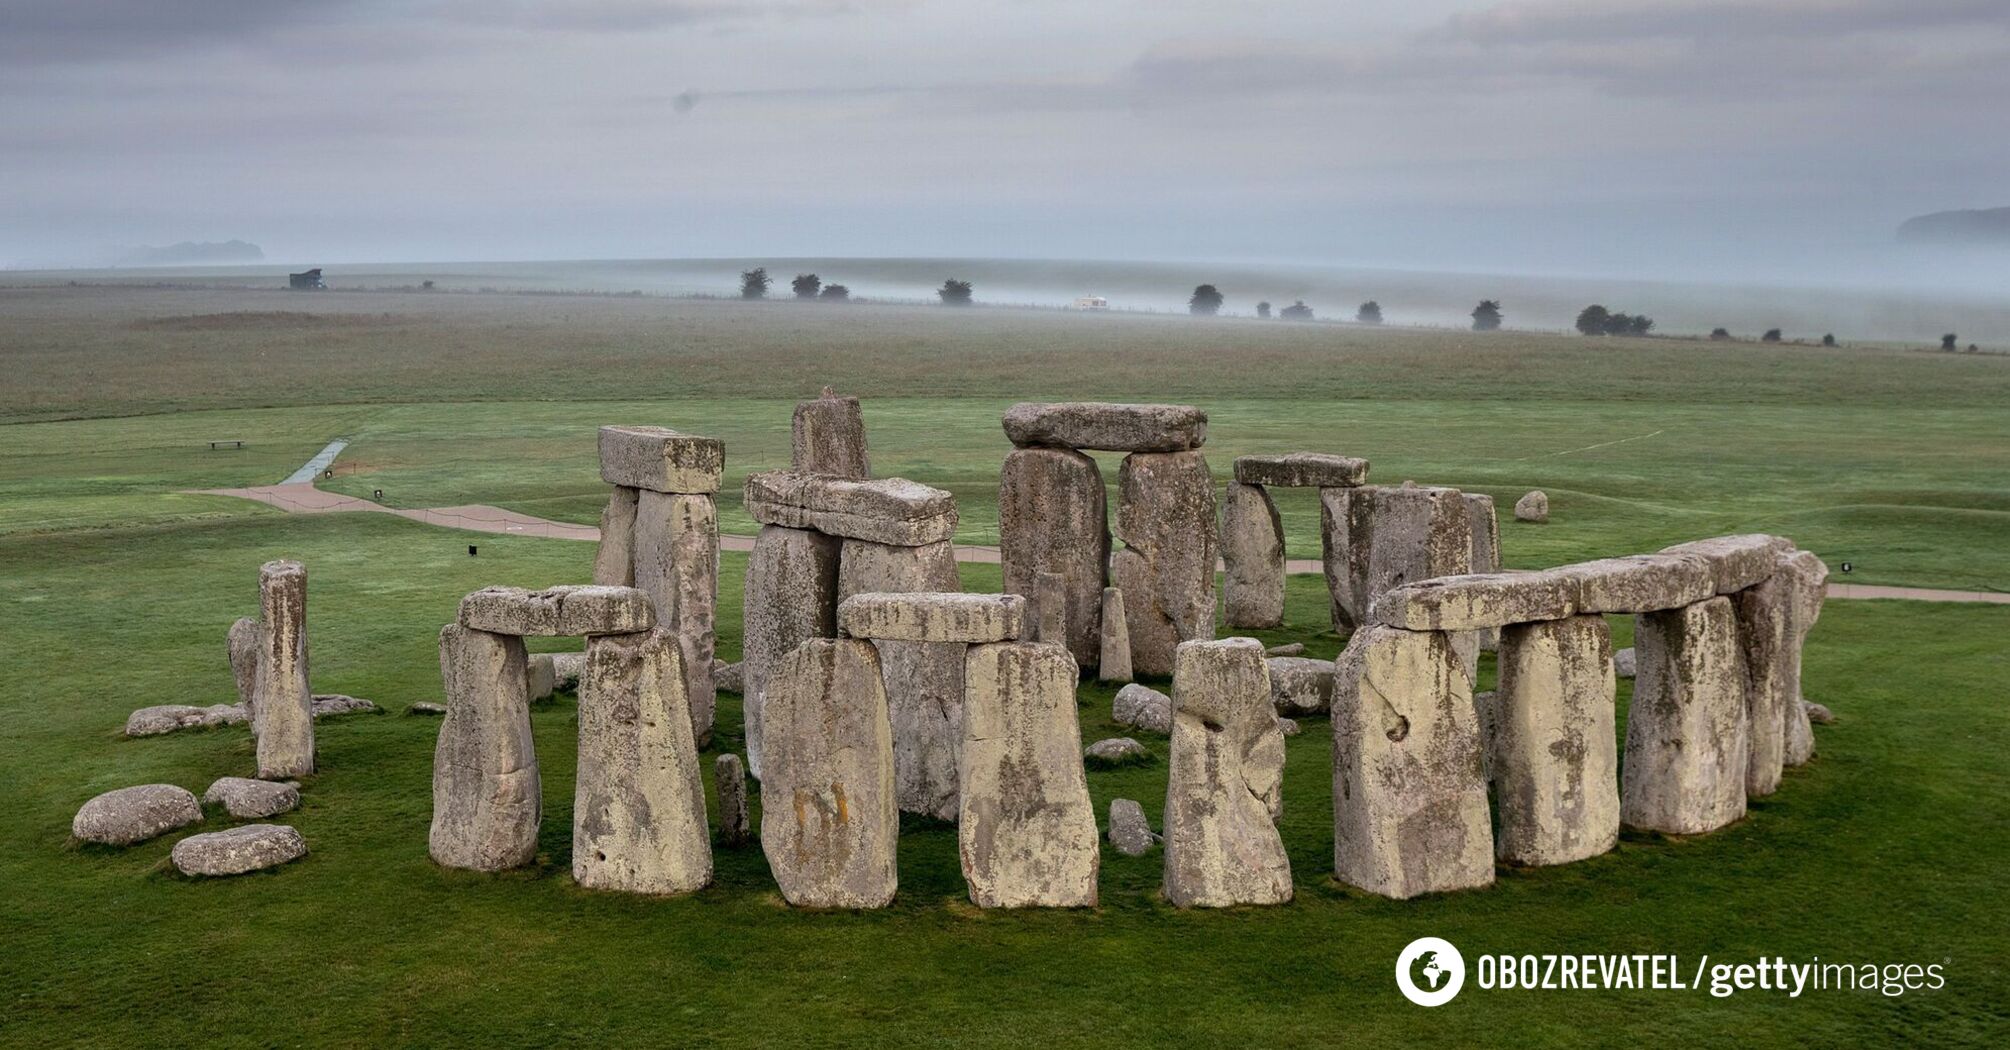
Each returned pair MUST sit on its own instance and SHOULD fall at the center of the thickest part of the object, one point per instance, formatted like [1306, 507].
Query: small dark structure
[306, 282]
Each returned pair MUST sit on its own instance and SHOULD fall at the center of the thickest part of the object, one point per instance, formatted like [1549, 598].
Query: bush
[1947, 341]
[1369, 313]
[1593, 320]
[1772, 336]
[754, 283]
[1722, 335]
[806, 285]
[1297, 311]
[836, 293]
[1829, 340]
[1205, 302]
[954, 292]
[1487, 316]
[1263, 311]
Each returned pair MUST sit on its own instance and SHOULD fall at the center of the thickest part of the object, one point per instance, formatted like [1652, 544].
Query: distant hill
[1987, 226]
[192, 253]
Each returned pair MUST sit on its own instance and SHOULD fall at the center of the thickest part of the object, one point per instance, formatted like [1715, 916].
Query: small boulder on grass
[1533, 507]
[1142, 707]
[1819, 714]
[248, 799]
[250, 847]
[1130, 832]
[135, 814]
[1116, 751]
[427, 707]
[1287, 649]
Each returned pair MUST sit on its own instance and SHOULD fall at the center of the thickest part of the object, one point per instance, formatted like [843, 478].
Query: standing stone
[1409, 797]
[1403, 534]
[1486, 528]
[1554, 754]
[1809, 578]
[1339, 554]
[245, 641]
[614, 560]
[1533, 507]
[1765, 616]
[1130, 832]
[829, 820]
[1252, 557]
[638, 812]
[1052, 518]
[677, 565]
[1686, 739]
[540, 677]
[829, 437]
[1115, 662]
[281, 697]
[1027, 829]
[1225, 785]
[487, 800]
[1050, 609]
[791, 597]
[731, 779]
[924, 680]
[1166, 518]
[1622, 662]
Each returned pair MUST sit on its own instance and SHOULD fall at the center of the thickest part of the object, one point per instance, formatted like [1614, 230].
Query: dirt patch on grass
[262, 320]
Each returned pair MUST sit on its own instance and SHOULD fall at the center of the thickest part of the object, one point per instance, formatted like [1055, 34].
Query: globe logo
[1430, 971]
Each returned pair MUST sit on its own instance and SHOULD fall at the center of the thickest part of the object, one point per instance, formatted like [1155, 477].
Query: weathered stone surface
[1287, 649]
[1476, 601]
[1301, 470]
[487, 799]
[1409, 799]
[1638, 583]
[677, 565]
[1380, 537]
[933, 616]
[1130, 832]
[245, 639]
[924, 680]
[1050, 609]
[167, 718]
[1300, 686]
[1027, 829]
[731, 780]
[1808, 577]
[1116, 750]
[328, 704]
[566, 669]
[1106, 426]
[1287, 726]
[1765, 616]
[790, 597]
[638, 815]
[889, 510]
[556, 612]
[1344, 561]
[1533, 507]
[1052, 518]
[1819, 714]
[1623, 662]
[1687, 741]
[1736, 562]
[236, 851]
[1166, 518]
[829, 820]
[1115, 649]
[426, 707]
[1143, 707]
[248, 799]
[828, 437]
[614, 559]
[1554, 756]
[658, 459]
[728, 677]
[1486, 529]
[135, 814]
[1252, 557]
[1224, 789]
[540, 679]
[281, 695]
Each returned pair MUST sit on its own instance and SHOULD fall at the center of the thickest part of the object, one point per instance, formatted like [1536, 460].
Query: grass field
[117, 589]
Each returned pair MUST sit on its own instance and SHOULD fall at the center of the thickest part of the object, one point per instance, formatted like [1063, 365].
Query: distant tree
[835, 293]
[1594, 320]
[1829, 340]
[754, 283]
[1263, 311]
[1206, 301]
[954, 292]
[1369, 313]
[1722, 335]
[1947, 341]
[1639, 324]
[1297, 311]
[1772, 336]
[1487, 316]
[806, 285]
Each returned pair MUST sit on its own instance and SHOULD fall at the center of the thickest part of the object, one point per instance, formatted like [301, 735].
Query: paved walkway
[313, 468]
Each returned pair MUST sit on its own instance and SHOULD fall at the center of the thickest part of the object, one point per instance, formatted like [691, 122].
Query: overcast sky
[1643, 136]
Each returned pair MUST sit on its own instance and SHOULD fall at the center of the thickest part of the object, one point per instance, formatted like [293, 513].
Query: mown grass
[1886, 849]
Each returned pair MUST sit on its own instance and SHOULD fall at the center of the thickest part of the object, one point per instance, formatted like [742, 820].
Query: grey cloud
[1532, 21]
[46, 31]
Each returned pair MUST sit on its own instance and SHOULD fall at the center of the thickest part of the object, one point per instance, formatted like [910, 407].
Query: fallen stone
[248, 799]
[1130, 832]
[1301, 470]
[539, 677]
[426, 707]
[1622, 662]
[281, 695]
[1026, 831]
[731, 779]
[1116, 751]
[828, 437]
[677, 565]
[1409, 797]
[1166, 519]
[1300, 686]
[1476, 601]
[790, 597]
[658, 459]
[1638, 583]
[829, 819]
[557, 612]
[1551, 744]
[1224, 788]
[893, 511]
[1287, 649]
[1736, 562]
[614, 559]
[1143, 707]
[135, 814]
[1687, 741]
[1287, 726]
[236, 851]
[1114, 664]
[728, 677]
[638, 815]
[1052, 518]
[487, 798]
[933, 616]
[924, 680]
[566, 669]
[1105, 426]
[245, 639]
[1533, 507]
[326, 705]
[167, 718]
[1252, 557]
[1819, 714]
